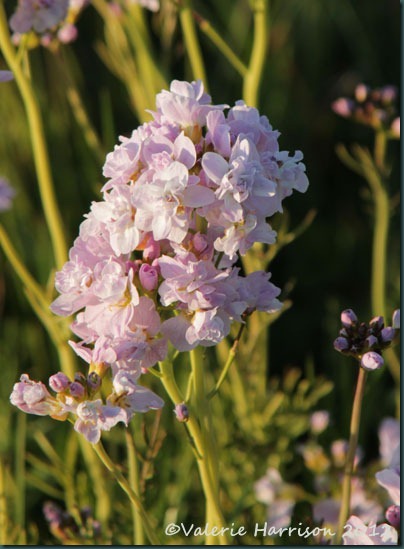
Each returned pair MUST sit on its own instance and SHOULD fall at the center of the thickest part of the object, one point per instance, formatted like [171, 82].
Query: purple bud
[181, 412]
[372, 361]
[341, 344]
[371, 341]
[93, 381]
[131, 265]
[377, 322]
[59, 382]
[6, 76]
[348, 317]
[387, 334]
[361, 92]
[396, 319]
[76, 389]
[393, 515]
[388, 94]
[343, 107]
[148, 276]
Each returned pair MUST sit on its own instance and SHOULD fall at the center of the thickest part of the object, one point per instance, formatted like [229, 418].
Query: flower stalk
[350, 459]
[41, 158]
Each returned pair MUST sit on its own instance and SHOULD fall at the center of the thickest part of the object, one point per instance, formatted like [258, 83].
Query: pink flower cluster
[154, 262]
[49, 19]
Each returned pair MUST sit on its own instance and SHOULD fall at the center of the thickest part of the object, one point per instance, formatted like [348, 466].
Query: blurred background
[317, 51]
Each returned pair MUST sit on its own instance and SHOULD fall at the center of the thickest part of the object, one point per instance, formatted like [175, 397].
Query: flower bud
[93, 381]
[151, 250]
[341, 344]
[393, 515]
[76, 389]
[361, 92]
[388, 94]
[348, 318]
[396, 319]
[395, 127]
[372, 361]
[371, 341]
[387, 334]
[148, 276]
[181, 412]
[67, 33]
[319, 421]
[377, 323]
[200, 242]
[343, 107]
[59, 382]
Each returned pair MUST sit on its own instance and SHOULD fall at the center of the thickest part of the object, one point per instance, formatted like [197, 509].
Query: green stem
[350, 459]
[20, 472]
[229, 362]
[38, 142]
[132, 495]
[214, 513]
[192, 43]
[138, 537]
[221, 45]
[253, 77]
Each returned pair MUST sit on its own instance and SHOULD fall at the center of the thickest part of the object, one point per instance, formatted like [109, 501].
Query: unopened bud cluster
[65, 528]
[373, 107]
[366, 341]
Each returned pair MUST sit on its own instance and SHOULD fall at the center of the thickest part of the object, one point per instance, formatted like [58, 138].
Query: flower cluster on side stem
[155, 259]
[366, 341]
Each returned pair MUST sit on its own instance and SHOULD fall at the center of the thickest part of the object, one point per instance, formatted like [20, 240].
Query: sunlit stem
[38, 142]
[191, 42]
[229, 362]
[132, 495]
[252, 80]
[350, 459]
[213, 510]
[138, 537]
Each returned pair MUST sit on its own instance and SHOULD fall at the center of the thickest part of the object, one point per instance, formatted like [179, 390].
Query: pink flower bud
[181, 412]
[67, 33]
[341, 344]
[396, 319]
[361, 92]
[59, 382]
[76, 389]
[6, 76]
[148, 276]
[348, 317]
[343, 107]
[395, 127]
[319, 421]
[200, 242]
[388, 334]
[377, 322]
[151, 250]
[393, 515]
[372, 361]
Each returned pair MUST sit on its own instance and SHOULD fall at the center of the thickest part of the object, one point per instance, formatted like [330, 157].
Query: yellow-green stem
[229, 362]
[210, 491]
[132, 495]
[221, 45]
[138, 534]
[350, 459]
[253, 77]
[38, 142]
[191, 42]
